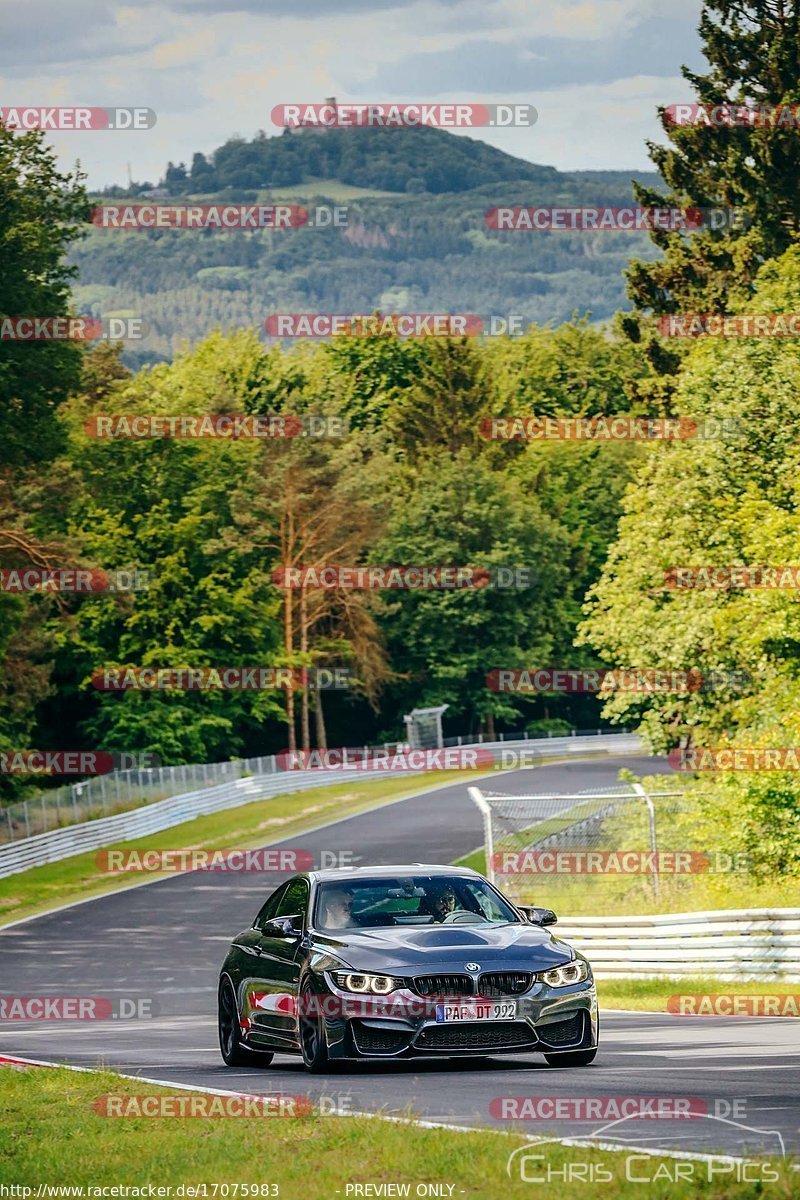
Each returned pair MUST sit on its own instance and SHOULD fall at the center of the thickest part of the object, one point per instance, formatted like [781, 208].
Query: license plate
[477, 1010]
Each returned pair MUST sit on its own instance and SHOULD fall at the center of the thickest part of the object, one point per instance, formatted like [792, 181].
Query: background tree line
[414, 481]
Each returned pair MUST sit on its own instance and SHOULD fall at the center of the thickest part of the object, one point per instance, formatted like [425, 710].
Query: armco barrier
[738, 944]
[106, 795]
[163, 814]
[557, 747]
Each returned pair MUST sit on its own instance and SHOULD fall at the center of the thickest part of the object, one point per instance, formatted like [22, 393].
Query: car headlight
[572, 972]
[357, 981]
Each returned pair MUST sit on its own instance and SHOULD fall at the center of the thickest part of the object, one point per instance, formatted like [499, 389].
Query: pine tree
[753, 51]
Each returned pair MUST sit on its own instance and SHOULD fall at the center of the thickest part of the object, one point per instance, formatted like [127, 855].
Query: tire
[313, 1046]
[234, 1054]
[574, 1058]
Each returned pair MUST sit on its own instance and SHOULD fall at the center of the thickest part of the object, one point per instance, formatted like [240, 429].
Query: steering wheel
[462, 916]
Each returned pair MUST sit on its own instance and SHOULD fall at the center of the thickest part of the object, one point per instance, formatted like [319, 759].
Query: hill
[385, 160]
[416, 238]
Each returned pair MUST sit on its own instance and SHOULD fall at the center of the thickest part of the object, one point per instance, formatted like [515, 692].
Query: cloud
[213, 67]
[308, 9]
[196, 46]
[39, 33]
[657, 46]
[594, 127]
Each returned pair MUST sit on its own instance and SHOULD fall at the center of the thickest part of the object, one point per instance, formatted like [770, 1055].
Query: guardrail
[555, 747]
[163, 814]
[106, 795]
[737, 944]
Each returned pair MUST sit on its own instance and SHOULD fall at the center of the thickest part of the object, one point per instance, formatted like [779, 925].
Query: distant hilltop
[405, 160]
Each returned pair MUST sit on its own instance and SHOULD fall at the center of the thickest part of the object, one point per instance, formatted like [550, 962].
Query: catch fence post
[639, 790]
[477, 798]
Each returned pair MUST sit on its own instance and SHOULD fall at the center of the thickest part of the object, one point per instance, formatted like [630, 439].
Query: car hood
[426, 948]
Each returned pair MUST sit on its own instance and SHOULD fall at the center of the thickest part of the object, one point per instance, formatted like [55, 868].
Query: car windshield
[409, 900]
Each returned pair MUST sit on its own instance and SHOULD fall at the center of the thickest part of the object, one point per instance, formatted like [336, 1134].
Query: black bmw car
[397, 962]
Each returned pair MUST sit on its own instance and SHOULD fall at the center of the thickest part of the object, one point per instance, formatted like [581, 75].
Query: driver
[338, 909]
[441, 900]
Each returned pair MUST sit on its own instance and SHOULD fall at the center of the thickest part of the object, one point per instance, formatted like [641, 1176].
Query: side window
[270, 909]
[294, 900]
[483, 901]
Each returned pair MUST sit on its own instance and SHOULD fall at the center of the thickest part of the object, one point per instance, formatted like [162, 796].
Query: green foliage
[753, 51]
[720, 502]
[548, 725]
[203, 606]
[391, 160]
[412, 482]
[40, 217]
[40, 214]
[424, 252]
[453, 509]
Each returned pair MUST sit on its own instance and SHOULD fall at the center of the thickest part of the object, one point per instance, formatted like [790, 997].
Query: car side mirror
[282, 927]
[538, 916]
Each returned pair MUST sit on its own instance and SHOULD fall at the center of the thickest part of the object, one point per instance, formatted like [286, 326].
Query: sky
[595, 70]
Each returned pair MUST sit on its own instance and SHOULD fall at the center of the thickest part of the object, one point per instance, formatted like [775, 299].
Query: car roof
[342, 874]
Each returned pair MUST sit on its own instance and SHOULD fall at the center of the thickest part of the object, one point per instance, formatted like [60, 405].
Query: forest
[390, 466]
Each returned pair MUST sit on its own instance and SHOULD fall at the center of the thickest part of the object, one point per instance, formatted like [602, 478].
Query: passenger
[338, 913]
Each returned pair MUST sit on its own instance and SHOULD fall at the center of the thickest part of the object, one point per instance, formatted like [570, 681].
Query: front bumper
[548, 1019]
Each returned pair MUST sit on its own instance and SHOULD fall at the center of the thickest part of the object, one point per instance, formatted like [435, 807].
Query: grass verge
[255, 824]
[52, 1135]
[652, 995]
[633, 895]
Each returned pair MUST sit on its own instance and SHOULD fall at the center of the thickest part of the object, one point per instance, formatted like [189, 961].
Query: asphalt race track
[166, 941]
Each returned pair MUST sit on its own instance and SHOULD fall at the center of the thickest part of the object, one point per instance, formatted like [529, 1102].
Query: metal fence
[245, 786]
[592, 846]
[480, 739]
[597, 850]
[162, 814]
[120, 791]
